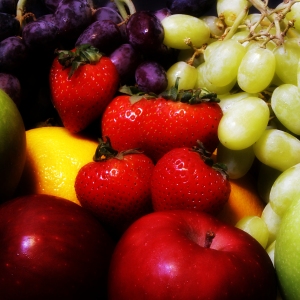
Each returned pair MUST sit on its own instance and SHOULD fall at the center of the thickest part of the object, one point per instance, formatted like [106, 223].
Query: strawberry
[82, 83]
[157, 124]
[115, 187]
[122, 120]
[186, 178]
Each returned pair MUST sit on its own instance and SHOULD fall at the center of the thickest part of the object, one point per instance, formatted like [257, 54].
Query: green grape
[271, 252]
[243, 124]
[223, 62]
[202, 82]
[210, 48]
[230, 9]
[285, 190]
[179, 27]
[187, 54]
[265, 179]
[285, 102]
[272, 220]
[256, 70]
[287, 57]
[215, 24]
[256, 227]
[277, 149]
[186, 73]
[298, 76]
[240, 36]
[227, 100]
[253, 18]
[294, 14]
[238, 162]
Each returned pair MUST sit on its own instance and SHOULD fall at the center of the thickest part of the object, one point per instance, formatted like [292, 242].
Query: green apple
[12, 146]
[287, 253]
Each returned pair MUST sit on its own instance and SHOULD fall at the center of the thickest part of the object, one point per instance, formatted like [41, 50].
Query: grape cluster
[211, 44]
[131, 34]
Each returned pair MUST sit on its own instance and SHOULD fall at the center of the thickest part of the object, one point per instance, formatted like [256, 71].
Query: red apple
[51, 248]
[189, 255]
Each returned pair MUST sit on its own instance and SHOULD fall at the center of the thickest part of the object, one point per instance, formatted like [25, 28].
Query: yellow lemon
[243, 201]
[54, 157]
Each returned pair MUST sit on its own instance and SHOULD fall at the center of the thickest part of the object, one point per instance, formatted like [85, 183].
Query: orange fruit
[243, 201]
[54, 157]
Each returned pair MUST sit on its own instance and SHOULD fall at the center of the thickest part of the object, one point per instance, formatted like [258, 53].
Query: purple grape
[194, 8]
[126, 59]
[8, 6]
[9, 25]
[72, 17]
[39, 34]
[145, 31]
[36, 8]
[11, 85]
[151, 77]
[52, 5]
[162, 13]
[104, 35]
[13, 54]
[107, 13]
[164, 55]
[47, 18]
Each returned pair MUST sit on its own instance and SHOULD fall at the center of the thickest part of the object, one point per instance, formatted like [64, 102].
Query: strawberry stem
[206, 156]
[192, 96]
[105, 151]
[82, 55]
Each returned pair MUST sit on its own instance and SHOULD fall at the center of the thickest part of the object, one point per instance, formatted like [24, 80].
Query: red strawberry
[82, 83]
[185, 178]
[115, 186]
[157, 125]
[122, 120]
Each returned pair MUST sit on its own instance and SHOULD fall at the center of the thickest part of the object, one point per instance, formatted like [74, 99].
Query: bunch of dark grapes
[32, 30]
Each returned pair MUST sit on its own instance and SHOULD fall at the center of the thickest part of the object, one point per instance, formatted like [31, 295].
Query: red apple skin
[52, 248]
[162, 256]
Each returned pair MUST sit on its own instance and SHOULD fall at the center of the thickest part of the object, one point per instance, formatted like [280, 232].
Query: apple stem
[210, 235]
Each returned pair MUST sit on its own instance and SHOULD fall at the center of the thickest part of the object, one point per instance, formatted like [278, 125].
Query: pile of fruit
[149, 150]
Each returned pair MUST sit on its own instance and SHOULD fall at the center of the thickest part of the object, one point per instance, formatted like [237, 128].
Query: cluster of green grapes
[249, 55]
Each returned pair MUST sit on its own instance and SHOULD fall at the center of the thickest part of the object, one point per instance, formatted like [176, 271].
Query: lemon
[54, 157]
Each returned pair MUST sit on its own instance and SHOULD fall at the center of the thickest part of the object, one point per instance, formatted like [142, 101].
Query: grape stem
[122, 5]
[275, 16]
[21, 16]
[228, 34]
[197, 51]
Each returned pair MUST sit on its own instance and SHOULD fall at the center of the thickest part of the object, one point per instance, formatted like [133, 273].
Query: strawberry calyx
[81, 55]
[191, 96]
[105, 151]
[206, 156]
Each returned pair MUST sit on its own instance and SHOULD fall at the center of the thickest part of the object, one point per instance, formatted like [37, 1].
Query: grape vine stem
[122, 4]
[275, 16]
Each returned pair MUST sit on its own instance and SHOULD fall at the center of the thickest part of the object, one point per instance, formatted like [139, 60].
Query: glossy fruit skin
[162, 256]
[52, 249]
[156, 126]
[82, 98]
[117, 191]
[53, 159]
[287, 260]
[182, 180]
[12, 146]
